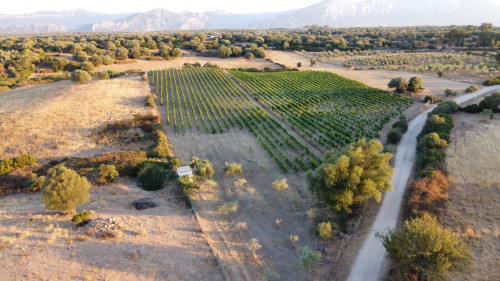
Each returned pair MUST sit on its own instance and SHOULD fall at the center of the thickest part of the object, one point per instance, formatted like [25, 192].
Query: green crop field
[206, 100]
[331, 110]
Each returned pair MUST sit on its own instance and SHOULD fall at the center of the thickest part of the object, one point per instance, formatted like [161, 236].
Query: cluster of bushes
[398, 129]
[8, 165]
[490, 102]
[402, 85]
[492, 81]
[202, 167]
[434, 136]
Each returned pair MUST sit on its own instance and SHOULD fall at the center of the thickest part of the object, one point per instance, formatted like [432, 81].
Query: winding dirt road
[371, 262]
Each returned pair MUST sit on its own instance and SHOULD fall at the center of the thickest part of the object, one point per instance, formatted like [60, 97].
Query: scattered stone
[143, 203]
[104, 228]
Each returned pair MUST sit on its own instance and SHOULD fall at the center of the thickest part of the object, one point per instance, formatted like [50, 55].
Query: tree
[80, 56]
[485, 34]
[236, 51]
[80, 76]
[394, 136]
[223, 51]
[107, 60]
[87, 66]
[440, 73]
[362, 172]
[399, 83]
[176, 53]
[152, 176]
[313, 62]
[422, 249]
[249, 56]
[58, 64]
[121, 53]
[447, 107]
[415, 84]
[64, 189]
[491, 102]
[299, 64]
[96, 60]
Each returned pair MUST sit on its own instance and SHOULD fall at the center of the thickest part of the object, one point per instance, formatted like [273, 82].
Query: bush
[423, 250]
[309, 258]
[402, 125]
[447, 107]
[450, 93]
[470, 89]
[399, 83]
[202, 167]
[232, 168]
[80, 76]
[81, 217]
[280, 186]
[107, 60]
[80, 56]
[187, 184]
[131, 167]
[472, 108]
[415, 84]
[162, 148]
[103, 75]
[229, 207]
[87, 66]
[107, 173]
[23, 161]
[64, 189]
[6, 166]
[152, 176]
[325, 230]
[428, 191]
[394, 136]
[492, 81]
[491, 102]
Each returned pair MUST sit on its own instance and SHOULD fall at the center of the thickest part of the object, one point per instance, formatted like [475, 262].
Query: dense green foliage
[331, 110]
[107, 173]
[434, 136]
[8, 165]
[81, 217]
[345, 182]
[309, 258]
[152, 176]
[64, 189]
[423, 250]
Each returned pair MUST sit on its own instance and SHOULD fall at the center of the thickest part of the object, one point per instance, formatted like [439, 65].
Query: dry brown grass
[57, 119]
[473, 158]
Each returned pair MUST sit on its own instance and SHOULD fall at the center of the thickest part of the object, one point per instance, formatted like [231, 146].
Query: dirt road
[371, 262]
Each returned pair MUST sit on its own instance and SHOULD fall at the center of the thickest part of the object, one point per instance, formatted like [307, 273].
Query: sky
[121, 6]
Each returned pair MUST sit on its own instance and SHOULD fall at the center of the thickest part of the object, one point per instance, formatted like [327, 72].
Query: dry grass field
[57, 119]
[473, 211]
[162, 243]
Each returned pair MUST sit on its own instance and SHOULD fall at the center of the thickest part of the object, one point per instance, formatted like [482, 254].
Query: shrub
[152, 176]
[6, 166]
[131, 167]
[492, 81]
[450, 93]
[202, 167]
[429, 191]
[253, 246]
[399, 83]
[81, 217]
[447, 107]
[87, 66]
[103, 75]
[472, 108]
[107, 60]
[232, 168]
[402, 125]
[229, 207]
[491, 102]
[440, 73]
[107, 173]
[299, 64]
[268, 274]
[80, 56]
[97, 60]
[415, 84]
[23, 161]
[64, 189]
[470, 89]
[280, 186]
[394, 136]
[309, 258]
[423, 250]
[325, 230]
[162, 148]
[187, 184]
[80, 76]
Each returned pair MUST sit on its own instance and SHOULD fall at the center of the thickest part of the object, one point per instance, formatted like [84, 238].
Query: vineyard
[207, 101]
[331, 110]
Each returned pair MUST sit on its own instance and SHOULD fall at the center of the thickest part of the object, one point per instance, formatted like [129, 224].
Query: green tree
[309, 258]
[249, 56]
[415, 84]
[491, 102]
[80, 56]
[64, 189]
[223, 51]
[423, 250]
[58, 64]
[87, 66]
[399, 83]
[362, 172]
[176, 53]
[485, 34]
[80, 76]
[121, 53]
[152, 176]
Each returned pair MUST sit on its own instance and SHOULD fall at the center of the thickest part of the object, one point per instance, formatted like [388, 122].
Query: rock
[143, 203]
[104, 228]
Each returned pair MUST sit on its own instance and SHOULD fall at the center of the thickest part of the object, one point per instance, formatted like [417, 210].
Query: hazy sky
[114, 6]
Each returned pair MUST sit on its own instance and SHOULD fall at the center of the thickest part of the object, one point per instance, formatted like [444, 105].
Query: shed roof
[184, 169]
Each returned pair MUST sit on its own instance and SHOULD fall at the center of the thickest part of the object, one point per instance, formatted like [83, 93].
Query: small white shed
[184, 171]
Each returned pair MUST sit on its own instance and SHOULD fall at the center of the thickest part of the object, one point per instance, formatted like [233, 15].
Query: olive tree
[80, 76]
[63, 189]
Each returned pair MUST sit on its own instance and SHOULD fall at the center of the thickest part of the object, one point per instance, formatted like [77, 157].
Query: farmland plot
[327, 108]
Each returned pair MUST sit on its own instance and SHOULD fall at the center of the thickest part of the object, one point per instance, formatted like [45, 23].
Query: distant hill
[335, 13]
[66, 20]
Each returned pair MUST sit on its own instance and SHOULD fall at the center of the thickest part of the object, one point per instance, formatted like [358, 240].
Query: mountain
[161, 19]
[335, 13]
[66, 20]
[351, 13]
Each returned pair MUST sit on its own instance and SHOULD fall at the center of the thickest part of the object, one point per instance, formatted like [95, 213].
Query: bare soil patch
[473, 210]
[58, 119]
[161, 243]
